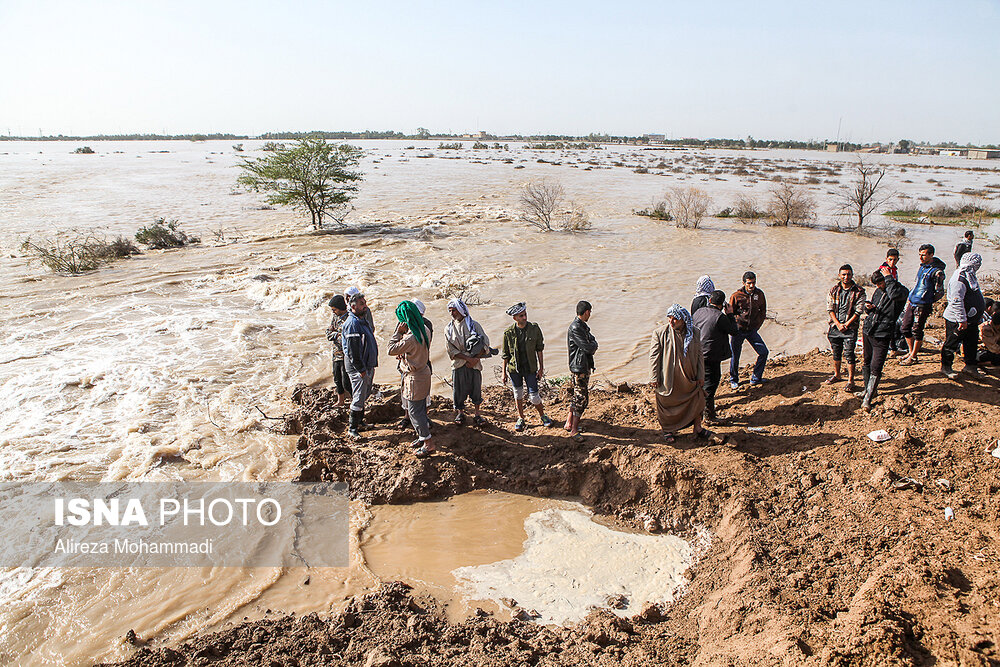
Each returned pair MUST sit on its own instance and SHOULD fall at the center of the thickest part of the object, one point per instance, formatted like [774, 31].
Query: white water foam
[570, 564]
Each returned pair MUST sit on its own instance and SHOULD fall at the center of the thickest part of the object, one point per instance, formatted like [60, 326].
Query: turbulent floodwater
[161, 366]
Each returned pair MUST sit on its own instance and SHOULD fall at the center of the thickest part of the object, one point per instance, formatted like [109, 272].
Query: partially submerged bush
[790, 204]
[658, 211]
[84, 150]
[575, 220]
[447, 147]
[746, 210]
[78, 254]
[163, 234]
[688, 205]
[540, 203]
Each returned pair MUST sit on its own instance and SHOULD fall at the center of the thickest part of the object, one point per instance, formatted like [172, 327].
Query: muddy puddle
[486, 549]
[469, 551]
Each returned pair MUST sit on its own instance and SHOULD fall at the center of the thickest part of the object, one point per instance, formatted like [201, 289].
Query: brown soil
[817, 557]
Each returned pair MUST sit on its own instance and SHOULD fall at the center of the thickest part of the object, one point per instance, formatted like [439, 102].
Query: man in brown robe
[678, 375]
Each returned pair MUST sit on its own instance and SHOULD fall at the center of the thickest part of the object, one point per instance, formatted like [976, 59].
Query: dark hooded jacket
[889, 302]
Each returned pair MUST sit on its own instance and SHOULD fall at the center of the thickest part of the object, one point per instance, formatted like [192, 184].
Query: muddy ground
[828, 548]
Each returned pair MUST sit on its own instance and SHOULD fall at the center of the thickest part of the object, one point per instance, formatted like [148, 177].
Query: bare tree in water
[539, 201]
[790, 204]
[688, 206]
[866, 194]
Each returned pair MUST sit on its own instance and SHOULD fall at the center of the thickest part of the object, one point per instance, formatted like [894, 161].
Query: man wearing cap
[360, 359]
[466, 366]
[334, 334]
[523, 362]
[352, 292]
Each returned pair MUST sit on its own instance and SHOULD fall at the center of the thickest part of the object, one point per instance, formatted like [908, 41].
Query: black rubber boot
[352, 429]
[866, 373]
[710, 416]
[869, 396]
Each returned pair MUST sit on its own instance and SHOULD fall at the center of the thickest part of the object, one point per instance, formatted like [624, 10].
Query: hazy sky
[881, 70]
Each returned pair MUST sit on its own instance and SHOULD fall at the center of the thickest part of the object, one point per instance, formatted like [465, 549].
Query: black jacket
[698, 303]
[581, 345]
[889, 302]
[716, 327]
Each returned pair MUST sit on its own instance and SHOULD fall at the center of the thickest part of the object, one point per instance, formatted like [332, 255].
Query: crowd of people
[685, 354]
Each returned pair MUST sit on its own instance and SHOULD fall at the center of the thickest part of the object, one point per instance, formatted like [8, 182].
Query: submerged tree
[539, 201]
[790, 204]
[309, 175]
[866, 194]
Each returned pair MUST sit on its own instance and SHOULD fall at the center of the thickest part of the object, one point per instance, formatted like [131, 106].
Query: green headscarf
[407, 313]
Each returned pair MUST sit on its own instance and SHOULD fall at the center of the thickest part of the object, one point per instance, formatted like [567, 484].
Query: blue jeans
[737, 345]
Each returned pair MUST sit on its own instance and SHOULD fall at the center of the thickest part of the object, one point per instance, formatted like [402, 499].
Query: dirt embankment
[828, 548]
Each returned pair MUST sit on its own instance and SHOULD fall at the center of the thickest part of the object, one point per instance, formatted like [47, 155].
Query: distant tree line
[424, 134]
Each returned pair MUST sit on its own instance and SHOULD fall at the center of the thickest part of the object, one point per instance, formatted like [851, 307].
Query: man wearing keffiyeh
[523, 362]
[466, 368]
[409, 344]
[678, 375]
[702, 290]
[962, 316]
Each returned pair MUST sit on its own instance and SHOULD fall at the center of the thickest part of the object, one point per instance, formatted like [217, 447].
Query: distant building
[476, 135]
[832, 148]
[983, 154]
[954, 152]
[656, 138]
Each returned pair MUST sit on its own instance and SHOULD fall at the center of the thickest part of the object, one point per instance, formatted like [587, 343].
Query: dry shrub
[746, 210]
[78, 254]
[540, 204]
[688, 206]
[790, 204]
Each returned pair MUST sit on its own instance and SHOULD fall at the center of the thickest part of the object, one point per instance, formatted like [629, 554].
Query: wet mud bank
[827, 548]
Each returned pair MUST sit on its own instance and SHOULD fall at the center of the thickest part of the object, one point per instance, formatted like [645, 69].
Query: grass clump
[163, 234]
[658, 211]
[78, 254]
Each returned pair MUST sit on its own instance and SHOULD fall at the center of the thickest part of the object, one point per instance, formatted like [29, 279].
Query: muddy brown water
[160, 367]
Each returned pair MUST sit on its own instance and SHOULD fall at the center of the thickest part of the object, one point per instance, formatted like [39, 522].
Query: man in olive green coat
[523, 362]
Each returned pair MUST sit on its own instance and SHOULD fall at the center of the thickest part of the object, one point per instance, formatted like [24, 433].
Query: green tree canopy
[309, 175]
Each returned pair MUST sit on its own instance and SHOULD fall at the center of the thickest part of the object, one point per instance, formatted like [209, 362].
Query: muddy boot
[866, 373]
[869, 393]
[948, 372]
[353, 430]
[709, 416]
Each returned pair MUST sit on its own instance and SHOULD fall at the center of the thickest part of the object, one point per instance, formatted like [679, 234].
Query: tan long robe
[679, 378]
[412, 364]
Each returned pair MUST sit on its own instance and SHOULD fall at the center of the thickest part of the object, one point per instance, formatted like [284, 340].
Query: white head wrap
[968, 266]
[460, 306]
[704, 286]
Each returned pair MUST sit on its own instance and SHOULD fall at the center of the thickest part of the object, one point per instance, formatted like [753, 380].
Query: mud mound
[827, 548]
[391, 628]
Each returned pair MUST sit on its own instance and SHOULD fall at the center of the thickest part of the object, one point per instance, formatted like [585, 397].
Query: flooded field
[165, 365]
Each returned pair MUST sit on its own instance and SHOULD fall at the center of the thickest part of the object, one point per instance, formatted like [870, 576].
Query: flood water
[159, 367]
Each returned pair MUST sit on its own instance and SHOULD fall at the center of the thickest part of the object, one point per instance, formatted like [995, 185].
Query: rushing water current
[163, 366]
